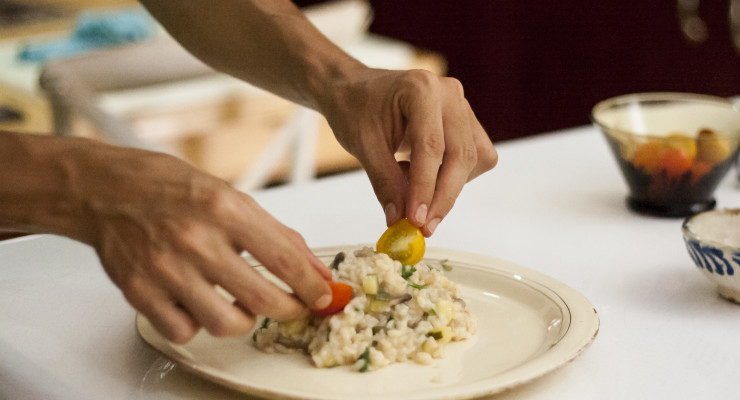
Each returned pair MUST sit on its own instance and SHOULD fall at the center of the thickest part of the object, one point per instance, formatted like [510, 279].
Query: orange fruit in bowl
[647, 156]
[675, 162]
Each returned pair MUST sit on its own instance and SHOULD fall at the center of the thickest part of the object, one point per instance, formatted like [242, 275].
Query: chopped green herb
[407, 271]
[365, 356]
[433, 312]
[382, 295]
[445, 266]
[263, 326]
[414, 284]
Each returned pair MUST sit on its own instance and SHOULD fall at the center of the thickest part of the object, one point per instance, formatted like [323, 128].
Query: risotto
[397, 313]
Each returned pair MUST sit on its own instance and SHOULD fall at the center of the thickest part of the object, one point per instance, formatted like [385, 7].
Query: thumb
[389, 184]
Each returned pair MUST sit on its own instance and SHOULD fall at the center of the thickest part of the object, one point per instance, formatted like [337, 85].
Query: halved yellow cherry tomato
[403, 242]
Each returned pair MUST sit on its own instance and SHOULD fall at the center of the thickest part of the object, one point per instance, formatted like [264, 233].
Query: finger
[284, 253]
[405, 166]
[459, 160]
[219, 316]
[320, 267]
[174, 323]
[426, 137]
[252, 214]
[254, 292]
[389, 184]
[169, 319]
[452, 178]
[487, 154]
[182, 274]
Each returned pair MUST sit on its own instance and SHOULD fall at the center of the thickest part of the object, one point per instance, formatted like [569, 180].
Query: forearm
[268, 43]
[33, 193]
[165, 232]
[60, 185]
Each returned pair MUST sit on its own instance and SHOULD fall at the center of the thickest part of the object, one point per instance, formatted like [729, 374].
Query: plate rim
[582, 313]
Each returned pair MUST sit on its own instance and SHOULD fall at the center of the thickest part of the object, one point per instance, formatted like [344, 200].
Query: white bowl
[713, 241]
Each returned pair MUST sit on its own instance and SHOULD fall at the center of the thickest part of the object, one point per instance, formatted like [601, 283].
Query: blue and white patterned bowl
[713, 241]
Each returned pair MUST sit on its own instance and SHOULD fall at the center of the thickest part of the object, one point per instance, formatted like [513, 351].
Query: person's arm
[165, 232]
[373, 112]
[268, 43]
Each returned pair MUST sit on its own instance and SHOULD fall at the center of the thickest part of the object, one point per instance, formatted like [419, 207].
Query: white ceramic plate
[528, 325]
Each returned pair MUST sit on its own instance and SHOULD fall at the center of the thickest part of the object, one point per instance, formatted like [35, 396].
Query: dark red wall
[531, 66]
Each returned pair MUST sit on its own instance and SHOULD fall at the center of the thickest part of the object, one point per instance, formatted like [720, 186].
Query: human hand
[167, 233]
[378, 114]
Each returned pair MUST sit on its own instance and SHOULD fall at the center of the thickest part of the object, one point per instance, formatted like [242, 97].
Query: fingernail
[390, 213]
[421, 214]
[323, 302]
[432, 225]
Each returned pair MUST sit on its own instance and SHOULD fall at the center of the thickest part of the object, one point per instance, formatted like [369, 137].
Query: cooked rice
[414, 314]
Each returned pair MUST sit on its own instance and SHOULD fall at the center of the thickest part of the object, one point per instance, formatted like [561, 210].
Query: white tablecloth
[554, 204]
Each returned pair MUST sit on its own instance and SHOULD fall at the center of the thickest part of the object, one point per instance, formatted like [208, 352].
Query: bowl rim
[658, 96]
[687, 232]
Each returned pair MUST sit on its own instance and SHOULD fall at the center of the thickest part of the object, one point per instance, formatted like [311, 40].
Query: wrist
[36, 194]
[326, 77]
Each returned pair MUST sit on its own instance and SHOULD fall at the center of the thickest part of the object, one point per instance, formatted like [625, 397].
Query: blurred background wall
[528, 66]
[532, 66]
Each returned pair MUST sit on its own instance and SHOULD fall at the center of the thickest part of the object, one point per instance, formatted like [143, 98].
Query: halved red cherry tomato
[403, 242]
[676, 162]
[341, 294]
